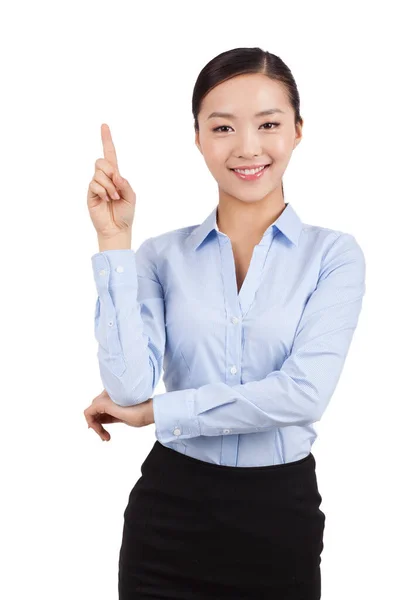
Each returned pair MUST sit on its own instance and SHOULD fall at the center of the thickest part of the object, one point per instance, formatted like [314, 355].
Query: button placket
[233, 347]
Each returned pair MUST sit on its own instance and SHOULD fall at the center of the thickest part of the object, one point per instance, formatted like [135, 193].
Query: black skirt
[199, 530]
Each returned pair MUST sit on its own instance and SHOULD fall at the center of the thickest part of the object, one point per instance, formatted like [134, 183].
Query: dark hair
[239, 61]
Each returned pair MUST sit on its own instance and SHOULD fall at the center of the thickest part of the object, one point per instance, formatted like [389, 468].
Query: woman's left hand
[104, 410]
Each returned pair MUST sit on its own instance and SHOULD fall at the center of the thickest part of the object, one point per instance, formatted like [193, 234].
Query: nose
[248, 145]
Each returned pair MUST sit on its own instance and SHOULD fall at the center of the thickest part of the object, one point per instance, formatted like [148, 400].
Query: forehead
[245, 95]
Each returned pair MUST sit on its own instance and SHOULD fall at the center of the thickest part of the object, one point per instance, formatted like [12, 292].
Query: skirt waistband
[169, 460]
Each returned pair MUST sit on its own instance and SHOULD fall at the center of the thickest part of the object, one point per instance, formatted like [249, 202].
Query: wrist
[149, 419]
[120, 241]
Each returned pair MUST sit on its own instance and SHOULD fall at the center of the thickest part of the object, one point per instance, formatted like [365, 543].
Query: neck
[247, 220]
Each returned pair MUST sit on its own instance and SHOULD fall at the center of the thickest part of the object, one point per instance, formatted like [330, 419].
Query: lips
[251, 176]
[244, 168]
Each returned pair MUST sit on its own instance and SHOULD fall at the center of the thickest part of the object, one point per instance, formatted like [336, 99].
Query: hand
[110, 217]
[104, 410]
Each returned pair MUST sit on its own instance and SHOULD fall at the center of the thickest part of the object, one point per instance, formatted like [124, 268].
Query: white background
[67, 68]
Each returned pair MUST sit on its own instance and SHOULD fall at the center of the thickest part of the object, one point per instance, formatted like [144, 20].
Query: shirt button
[234, 320]
[120, 269]
[102, 272]
[233, 369]
[177, 431]
[227, 430]
[111, 323]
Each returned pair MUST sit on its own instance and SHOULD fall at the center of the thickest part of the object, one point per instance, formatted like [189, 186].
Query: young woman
[251, 314]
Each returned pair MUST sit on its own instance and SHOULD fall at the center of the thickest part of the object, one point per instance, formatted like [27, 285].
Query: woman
[260, 310]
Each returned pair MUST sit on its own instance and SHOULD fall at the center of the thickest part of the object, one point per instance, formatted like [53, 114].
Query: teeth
[249, 171]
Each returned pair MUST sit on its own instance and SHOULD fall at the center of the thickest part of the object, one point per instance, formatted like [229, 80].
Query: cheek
[216, 152]
[282, 148]
[216, 161]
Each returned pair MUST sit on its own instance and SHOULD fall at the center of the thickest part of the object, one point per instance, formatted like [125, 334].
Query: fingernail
[116, 196]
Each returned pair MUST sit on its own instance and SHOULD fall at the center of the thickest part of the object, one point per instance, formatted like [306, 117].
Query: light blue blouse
[246, 374]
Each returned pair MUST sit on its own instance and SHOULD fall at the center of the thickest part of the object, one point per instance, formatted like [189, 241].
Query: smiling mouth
[264, 166]
[255, 176]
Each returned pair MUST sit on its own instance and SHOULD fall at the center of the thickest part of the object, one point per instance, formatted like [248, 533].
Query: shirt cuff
[174, 416]
[114, 267]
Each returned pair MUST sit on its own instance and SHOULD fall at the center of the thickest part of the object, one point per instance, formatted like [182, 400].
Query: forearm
[129, 322]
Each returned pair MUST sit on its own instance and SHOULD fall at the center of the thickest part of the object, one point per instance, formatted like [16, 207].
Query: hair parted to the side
[240, 61]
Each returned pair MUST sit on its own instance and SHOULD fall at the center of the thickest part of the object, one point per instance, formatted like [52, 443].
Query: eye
[218, 129]
[275, 124]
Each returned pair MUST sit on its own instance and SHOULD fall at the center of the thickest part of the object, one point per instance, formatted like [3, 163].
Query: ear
[299, 134]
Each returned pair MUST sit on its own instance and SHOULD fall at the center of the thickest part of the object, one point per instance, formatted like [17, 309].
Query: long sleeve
[129, 322]
[299, 392]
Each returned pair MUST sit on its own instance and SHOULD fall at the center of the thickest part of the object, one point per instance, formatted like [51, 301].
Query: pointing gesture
[108, 146]
[111, 200]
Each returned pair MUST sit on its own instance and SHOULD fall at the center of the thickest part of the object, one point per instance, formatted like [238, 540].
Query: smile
[250, 176]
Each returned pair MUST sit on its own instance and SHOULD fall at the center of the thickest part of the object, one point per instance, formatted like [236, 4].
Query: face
[246, 139]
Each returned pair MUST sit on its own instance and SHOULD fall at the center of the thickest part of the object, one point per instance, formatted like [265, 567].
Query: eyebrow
[263, 113]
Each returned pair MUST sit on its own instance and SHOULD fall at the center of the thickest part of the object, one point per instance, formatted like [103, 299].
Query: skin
[247, 208]
[103, 410]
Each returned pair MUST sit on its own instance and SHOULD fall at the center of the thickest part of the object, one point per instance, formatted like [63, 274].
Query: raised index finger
[108, 145]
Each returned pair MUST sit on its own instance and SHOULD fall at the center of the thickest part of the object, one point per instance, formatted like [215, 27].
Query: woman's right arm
[129, 316]
[129, 322]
